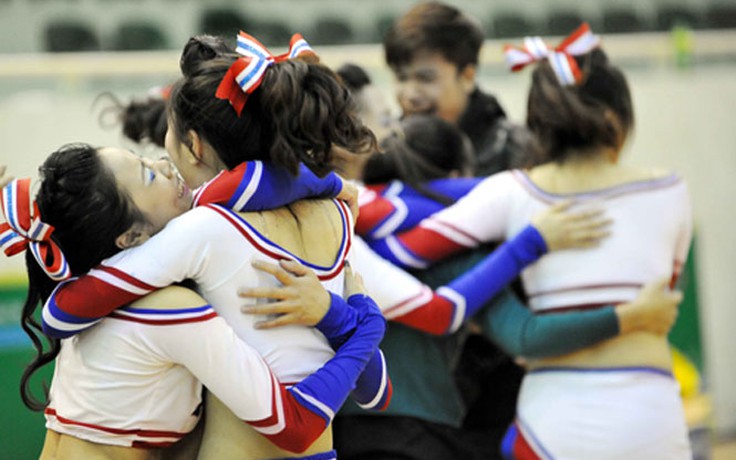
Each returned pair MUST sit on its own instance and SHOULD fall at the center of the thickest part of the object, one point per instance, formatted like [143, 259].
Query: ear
[195, 145]
[136, 235]
[467, 77]
[619, 132]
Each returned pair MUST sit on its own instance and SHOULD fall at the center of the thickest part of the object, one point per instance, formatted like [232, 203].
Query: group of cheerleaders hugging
[233, 271]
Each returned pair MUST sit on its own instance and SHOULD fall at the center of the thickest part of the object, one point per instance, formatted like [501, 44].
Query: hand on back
[565, 229]
[300, 299]
[654, 310]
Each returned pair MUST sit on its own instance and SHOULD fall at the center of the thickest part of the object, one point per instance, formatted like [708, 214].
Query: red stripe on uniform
[434, 316]
[301, 426]
[127, 278]
[584, 287]
[429, 244]
[372, 214]
[522, 450]
[164, 322]
[277, 256]
[119, 431]
[74, 298]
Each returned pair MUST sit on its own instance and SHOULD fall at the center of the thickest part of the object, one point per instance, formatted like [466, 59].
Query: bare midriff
[637, 349]
[63, 447]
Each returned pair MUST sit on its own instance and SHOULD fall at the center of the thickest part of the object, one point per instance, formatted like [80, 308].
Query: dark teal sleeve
[521, 333]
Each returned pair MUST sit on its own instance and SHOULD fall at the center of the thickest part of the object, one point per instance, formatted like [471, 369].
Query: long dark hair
[297, 114]
[426, 148]
[79, 197]
[577, 119]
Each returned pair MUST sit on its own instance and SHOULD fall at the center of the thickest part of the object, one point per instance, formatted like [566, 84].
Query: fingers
[279, 273]
[359, 281]
[587, 238]
[353, 282]
[273, 308]
[588, 214]
[659, 284]
[283, 320]
[349, 194]
[294, 267]
[285, 271]
[561, 206]
[278, 293]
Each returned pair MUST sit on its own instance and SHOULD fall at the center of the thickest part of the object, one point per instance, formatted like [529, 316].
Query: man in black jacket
[433, 52]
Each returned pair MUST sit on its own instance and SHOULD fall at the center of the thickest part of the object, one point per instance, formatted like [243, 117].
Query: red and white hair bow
[561, 59]
[246, 73]
[24, 230]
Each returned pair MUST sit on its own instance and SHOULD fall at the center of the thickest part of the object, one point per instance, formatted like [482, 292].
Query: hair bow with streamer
[23, 230]
[581, 41]
[246, 73]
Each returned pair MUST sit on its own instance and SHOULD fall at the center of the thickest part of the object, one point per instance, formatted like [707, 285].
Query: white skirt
[616, 414]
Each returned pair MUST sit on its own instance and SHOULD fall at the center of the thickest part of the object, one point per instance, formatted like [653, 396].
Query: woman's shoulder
[654, 174]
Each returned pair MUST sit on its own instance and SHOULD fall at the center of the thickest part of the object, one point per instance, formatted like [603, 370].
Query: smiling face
[153, 186]
[430, 84]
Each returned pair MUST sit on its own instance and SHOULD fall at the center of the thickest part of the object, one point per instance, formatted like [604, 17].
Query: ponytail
[577, 118]
[310, 111]
[299, 111]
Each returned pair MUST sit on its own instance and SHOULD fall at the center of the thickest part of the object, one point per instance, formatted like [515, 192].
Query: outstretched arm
[522, 333]
[260, 185]
[480, 217]
[396, 207]
[292, 418]
[299, 292]
[445, 309]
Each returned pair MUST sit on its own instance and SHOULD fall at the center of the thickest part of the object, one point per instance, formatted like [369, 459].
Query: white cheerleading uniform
[650, 239]
[605, 414]
[136, 379]
[650, 236]
[215, 247]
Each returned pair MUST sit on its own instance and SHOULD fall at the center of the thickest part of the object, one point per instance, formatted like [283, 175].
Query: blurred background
[58, 56]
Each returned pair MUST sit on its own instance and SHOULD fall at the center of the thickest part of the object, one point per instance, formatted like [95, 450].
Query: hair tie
[246, 73]
[566, 69]
[24, 230]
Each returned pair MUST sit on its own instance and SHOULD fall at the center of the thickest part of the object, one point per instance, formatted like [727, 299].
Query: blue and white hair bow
[561, 59]
[24, 230]
[246, 74]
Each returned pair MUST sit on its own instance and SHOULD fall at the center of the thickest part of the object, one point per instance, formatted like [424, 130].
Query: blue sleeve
[481, 283]
[339, 322]
[520, 332]
[412, 206]
[259, 185]
[332, 383]
[454, 188]
[277, 187]
[372, 390]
